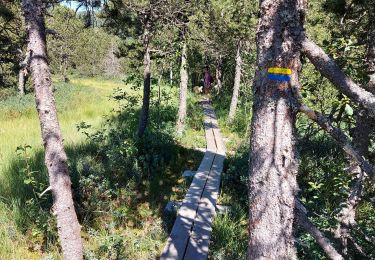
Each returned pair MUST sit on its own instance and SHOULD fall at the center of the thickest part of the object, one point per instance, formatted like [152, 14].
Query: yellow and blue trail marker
[281, 74]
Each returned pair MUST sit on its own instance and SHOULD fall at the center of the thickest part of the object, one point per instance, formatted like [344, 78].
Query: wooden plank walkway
[191, 232]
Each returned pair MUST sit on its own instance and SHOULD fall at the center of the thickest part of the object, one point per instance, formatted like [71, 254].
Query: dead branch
[303, 220]
[346, 216]
[329, 69]
[341, 138]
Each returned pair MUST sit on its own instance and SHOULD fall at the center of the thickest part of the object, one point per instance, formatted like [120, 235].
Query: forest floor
[121, 184]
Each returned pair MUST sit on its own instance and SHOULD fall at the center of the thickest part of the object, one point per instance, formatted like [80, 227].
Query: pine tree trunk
[371, 49]
[21, 81]
[55, 156]
[219, 73]
[171, 75]
[65, 68]
[183, 91]
[237, 82]
[143, 121]
[22, 73]
[273, 159]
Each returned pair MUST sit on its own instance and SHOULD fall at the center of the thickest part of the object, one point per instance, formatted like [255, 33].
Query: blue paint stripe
[279, 77]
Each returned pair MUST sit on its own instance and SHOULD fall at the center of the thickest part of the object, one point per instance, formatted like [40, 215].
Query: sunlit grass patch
[76, 102]
[121, 183]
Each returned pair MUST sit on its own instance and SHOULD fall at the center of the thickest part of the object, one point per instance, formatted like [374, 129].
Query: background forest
[123, 174]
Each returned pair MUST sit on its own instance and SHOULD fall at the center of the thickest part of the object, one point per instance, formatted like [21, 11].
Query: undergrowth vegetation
[323, 180]
[121, 183]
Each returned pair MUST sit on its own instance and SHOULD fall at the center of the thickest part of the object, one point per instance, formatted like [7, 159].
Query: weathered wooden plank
[220, 145]
[214, 125]
[209, 134]
[206, 162]
[180, 233]
[210, 140]
[190, 235]
[173, 206]
[188, 173]
[200, 236]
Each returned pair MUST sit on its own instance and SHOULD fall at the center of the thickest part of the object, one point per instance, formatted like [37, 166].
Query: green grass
[81, 100]
[121, 217]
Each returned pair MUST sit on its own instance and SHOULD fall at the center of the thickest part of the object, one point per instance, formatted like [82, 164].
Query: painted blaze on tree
[273, 162]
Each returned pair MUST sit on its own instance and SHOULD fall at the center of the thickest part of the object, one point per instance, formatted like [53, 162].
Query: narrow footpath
[191, 232]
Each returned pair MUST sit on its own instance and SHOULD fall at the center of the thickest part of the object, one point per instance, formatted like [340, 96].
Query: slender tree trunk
[371, 49]
[143, 120]
[22, 74]
[237, 82]
[183, 91]
[21, 81]
[65, 68]
[219, 73]
[171, 75]
[273, 159]
[55, 156]
[346, 216]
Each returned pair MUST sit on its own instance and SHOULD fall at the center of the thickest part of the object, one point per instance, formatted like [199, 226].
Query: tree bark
[329, 69]
[237, 82]
[171, 75]
[183, 91]
[346, 216]
[371, 49]
[55, 156]
[143, 121]
[219, 73]
[21, 81]
[22, 74]
[273, 159]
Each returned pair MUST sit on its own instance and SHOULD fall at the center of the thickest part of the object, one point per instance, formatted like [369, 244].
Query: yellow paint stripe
[280, 71]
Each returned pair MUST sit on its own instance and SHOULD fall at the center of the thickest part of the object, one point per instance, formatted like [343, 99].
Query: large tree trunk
[273, 159]
[143, 120]
[183, 91]
[237, 82]
[55, 156]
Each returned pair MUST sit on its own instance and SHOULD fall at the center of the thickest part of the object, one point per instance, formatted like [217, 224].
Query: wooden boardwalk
[191, 232]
